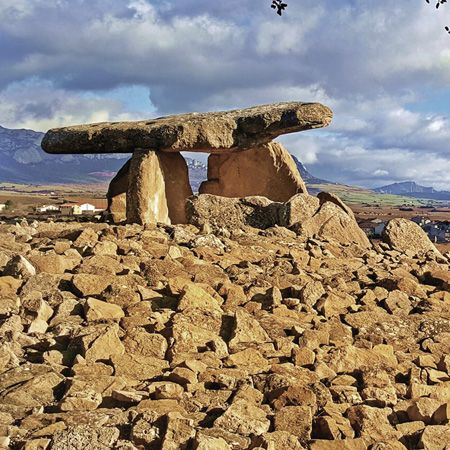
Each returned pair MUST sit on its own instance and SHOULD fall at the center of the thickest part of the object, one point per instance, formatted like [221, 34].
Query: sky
[383, 67]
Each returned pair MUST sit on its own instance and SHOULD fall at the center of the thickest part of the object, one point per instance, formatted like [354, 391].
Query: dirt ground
[390, 212]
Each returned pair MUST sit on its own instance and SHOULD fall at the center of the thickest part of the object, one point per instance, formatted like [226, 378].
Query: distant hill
[414, 190]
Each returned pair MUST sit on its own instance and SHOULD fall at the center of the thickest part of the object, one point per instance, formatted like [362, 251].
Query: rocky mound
[216, 337]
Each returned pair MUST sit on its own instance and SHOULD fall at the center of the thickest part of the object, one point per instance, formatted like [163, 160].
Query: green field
[353, 194]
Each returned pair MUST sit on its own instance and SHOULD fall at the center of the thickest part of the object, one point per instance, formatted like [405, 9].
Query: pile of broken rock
[258, 325]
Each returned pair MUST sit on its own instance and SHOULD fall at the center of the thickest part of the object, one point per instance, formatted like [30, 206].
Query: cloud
[39, 106]
[64, 61]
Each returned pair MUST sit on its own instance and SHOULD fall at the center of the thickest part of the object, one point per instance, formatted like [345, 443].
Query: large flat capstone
[202, 132]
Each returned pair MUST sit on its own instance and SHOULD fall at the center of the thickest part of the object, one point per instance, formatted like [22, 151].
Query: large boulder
[333, 220]
[406, 236]
[207, 132]
[325, 217]
[158, 186]
[274, 174]
[232, 213]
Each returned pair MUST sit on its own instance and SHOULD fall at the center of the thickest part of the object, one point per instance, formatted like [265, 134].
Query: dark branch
[279, 6]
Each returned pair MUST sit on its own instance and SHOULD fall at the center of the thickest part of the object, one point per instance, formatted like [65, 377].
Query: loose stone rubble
[153, 185]
[227, 334]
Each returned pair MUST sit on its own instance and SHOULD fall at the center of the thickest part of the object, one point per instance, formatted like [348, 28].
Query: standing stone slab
[267, 171]
[197, 132]
[146, 196]
[117, 195]
[178, 188]
[158, 186]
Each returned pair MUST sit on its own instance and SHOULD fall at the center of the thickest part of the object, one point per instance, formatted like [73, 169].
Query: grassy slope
[353, 194]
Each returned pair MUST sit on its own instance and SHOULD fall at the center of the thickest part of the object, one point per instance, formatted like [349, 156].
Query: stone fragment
[146, 196]
[37, 326]
[102, 344]
[331, 221]
[138, 367]
[435, 437]
[442, 414]
[298, 209]
[231, 213]
[87, 238]
[350, 358]
[81, 401]
[19, 267]
[303, 357]
[207, 132]
[169, 391]
[179, 430]
[423, 409]
[371, 422]
[274, 174]
[278, 440]
[193, 296]
[97, 310]
[347, 444]
[36, 391]
[243, 417]
[205, 442]
[140, 342]
[247, 332]
[296, 420]
[86, 285]
[85, 437]
[127, 397]
[51, 263]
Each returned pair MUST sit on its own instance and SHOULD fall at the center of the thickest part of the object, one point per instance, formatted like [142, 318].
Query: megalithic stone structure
[153, 186]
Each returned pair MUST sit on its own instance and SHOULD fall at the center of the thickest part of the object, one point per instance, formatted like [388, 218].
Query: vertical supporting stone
[146, 196]
[268, 171]
[178, 188]
[117, 195]
[158, 186]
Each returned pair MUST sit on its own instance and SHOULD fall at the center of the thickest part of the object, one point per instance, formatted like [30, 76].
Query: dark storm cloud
[365, 59]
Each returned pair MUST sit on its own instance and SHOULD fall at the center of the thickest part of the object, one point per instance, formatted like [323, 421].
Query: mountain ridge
[413, 189]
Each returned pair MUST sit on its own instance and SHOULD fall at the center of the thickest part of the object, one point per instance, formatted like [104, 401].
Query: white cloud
[370, 61]
[39, 106]
[381, 173]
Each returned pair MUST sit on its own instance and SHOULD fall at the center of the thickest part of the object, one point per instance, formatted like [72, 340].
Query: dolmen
[153, 185]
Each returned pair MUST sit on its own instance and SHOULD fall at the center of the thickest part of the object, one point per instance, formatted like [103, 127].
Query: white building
[2, 206]
[47, 209]
[73, 209]
[87, 208]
